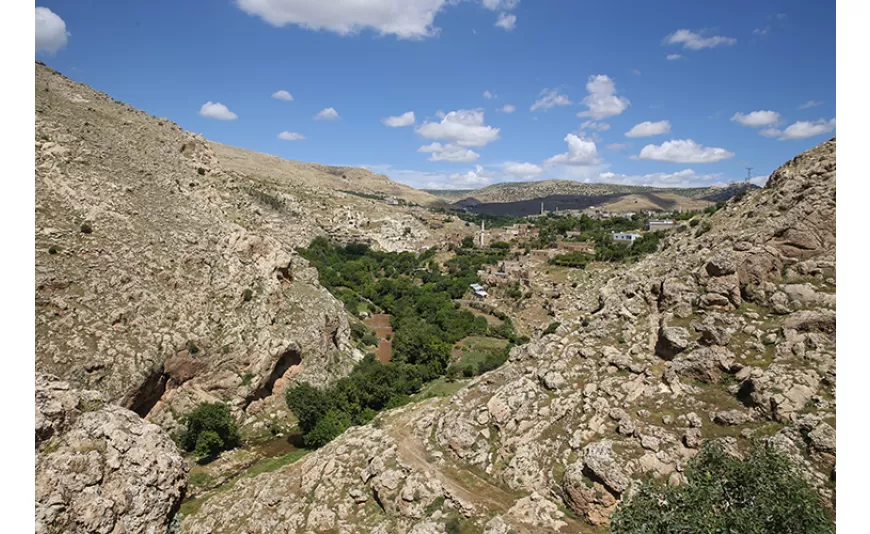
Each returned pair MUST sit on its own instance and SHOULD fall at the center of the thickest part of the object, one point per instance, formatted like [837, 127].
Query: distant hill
[524, 198]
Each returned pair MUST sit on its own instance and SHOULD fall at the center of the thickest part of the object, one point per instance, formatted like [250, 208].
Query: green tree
[328, 428]
[763, 493]
[207, 422]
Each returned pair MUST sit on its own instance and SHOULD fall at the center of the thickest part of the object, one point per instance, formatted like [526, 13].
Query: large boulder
[101, 468]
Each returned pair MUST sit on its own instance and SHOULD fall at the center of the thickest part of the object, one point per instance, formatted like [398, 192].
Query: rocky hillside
[524, 198]
[165, 279]
[727, 333]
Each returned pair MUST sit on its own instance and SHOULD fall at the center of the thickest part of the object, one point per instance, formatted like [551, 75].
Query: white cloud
[771, 132]
[290, 136]
[488, 94]
[618, 146]
[549, 99]
[405, 119]
[674, 57]
[809, 104]
[757, 119]
[508, 108]
[602, 100]
[694, 41]
[636, 72]
[522, 170]
[500, 5]
[463, 127]
[406, 19]
[594, 125]
[216, 110]
[328, 114]
[51, 34]
[684, 178]
[449, 152]
[580, 152]
[479, 177]
[761, 31]
[506, 21]
[684, 151]
[802, 129]
[647, 129]
[282, 95]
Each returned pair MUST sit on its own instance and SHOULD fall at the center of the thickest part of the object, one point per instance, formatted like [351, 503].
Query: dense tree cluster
[419, 294]
[764, 493]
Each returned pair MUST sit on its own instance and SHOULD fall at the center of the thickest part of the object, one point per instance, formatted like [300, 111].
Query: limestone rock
[101, 468]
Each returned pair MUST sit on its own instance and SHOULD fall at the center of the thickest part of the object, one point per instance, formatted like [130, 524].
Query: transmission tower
[748, 175]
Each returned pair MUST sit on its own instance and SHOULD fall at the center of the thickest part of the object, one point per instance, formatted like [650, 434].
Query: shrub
[211, 428]
[52, 250]
[763, 493]
[327, 428]
[86, 228]
[694, 222]
[551, 328]
[703, 228]
[247, 295]
[200, 171]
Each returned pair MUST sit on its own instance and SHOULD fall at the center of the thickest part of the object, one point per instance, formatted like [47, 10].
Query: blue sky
[565, 81]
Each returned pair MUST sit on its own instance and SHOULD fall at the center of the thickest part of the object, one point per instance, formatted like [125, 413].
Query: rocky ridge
[727, 333]
[164, 279]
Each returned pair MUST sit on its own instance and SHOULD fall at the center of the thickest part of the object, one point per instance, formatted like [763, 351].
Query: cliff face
[726, 333]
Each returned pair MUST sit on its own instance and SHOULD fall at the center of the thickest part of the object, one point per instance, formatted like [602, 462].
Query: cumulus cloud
[408, 19]
[449, 152]
[693, 41]
[684, 178]
[602, 100]
[595, 125]
[462, 127]
[761, 31]
[488, 94]
[802, 130]
[290, 136]
[328, 114]
[673, 57]
[809, 104]
[216, 110]
[522, 170]
[580, 152]
[405, 119]
[51, 34]
[647, 129]
[477, 178]
[757, 119]
[282, 95]
[507, 21]
[549, 99]
[684, 151]
[508, 108]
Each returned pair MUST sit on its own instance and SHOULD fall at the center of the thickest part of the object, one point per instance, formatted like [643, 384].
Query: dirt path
[459, 482]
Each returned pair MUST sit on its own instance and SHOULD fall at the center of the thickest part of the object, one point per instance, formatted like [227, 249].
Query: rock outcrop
[100, 468]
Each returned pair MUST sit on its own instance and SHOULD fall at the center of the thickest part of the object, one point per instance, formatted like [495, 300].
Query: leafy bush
[86, 228]
[763, 493]
[210, 428]
[200, 171]
[247, 295]
[468, 242]
[551, 328]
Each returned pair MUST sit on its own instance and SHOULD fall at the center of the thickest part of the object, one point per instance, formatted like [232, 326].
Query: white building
[479, 291]
[660, 224]
[625, 238]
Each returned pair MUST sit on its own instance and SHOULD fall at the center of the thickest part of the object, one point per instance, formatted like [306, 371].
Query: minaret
[542, 207]
[482, 234]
